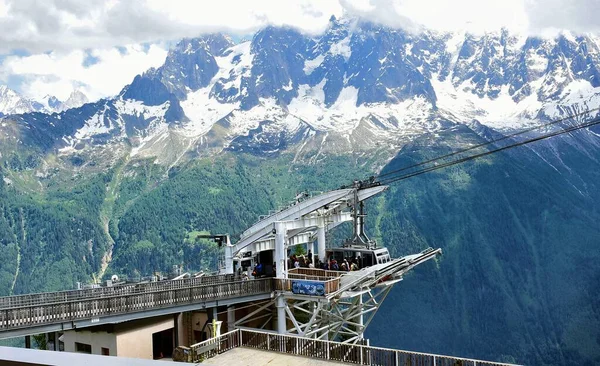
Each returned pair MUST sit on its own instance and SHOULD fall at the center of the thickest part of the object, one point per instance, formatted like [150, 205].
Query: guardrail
[120, 290]
[315, 272]
[215, 346]
[325, 350]
[157, 298]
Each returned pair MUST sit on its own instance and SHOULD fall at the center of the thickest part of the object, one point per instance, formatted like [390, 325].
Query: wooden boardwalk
[34, 310]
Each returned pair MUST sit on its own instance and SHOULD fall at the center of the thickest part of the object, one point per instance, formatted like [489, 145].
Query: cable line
[488, 142]
[389, 180]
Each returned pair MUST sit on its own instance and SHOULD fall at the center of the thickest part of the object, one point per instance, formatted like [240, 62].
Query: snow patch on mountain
[241, 122]
[342, 48]
[203, 111]
[501, 112]
[159, 133]
[233, 66]
[96, 125]
[345, 115]
[577, 97]
[311, 65]
[139, 109]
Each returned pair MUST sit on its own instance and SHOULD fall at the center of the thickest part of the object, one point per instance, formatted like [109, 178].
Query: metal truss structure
[343, 313]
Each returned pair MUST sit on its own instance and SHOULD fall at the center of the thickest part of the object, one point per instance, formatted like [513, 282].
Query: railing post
[360, 349]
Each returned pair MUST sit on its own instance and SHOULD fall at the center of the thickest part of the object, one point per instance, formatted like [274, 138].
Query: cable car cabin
[364, 257]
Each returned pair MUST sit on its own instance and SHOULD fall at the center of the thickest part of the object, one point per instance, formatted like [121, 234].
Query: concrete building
[151, 338]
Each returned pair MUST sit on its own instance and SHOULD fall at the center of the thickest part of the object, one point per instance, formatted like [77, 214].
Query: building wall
[198, 320]
[97, 340]
[137, 342]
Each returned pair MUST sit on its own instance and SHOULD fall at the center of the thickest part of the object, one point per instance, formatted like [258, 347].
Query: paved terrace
[245, 347]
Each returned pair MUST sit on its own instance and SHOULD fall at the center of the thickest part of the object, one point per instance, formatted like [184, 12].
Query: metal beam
[265, 226]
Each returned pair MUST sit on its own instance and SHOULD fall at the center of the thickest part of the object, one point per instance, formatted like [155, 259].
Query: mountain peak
[11, 102]
[76, 99]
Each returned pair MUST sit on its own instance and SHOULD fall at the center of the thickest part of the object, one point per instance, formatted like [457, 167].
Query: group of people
[301, 261]
[348, 264]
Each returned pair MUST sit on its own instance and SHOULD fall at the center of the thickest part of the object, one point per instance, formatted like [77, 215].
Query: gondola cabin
[364, 257]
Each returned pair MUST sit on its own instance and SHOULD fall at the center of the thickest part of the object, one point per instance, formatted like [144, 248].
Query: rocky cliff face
[353, 78]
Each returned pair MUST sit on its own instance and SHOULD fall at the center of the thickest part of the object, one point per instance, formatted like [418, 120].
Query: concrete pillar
[228, 259]
[215, 314]
[311, 248]
[280, 249]
[230, 318]
[281, 322]
[180, 330]
[321, 242]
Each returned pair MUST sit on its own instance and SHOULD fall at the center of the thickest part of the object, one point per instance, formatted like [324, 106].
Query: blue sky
[98, 46]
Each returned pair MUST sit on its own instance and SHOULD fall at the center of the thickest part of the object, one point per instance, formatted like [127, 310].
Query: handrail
[91, 308]
[316, 272]
[124, 289]
[215, 346]
[325, 350]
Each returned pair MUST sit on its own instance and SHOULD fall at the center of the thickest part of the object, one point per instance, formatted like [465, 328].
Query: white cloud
[59, 73]
[56, 31]
[579, 16]
[465, 15]
[52, 25]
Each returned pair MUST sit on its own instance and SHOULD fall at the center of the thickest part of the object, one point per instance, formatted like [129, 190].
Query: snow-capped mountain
[357, 87]
[12, 102]
[52, 104]
[76, 99]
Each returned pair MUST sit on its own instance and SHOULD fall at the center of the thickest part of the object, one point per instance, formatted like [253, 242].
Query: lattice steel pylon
[339, 305]
[343, 319]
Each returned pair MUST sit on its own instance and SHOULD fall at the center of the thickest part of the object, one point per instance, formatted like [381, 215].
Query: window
[83, 348]
[105, 352]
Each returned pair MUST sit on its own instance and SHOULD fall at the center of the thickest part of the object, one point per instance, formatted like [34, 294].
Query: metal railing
[315, 272]
[117, 290]
[215, 346]
[325, 350]
[151, 298]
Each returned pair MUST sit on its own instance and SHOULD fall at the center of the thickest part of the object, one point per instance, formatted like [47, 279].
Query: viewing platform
[245, 343]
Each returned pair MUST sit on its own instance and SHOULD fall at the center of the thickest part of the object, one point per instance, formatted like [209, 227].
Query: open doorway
[162, 344]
